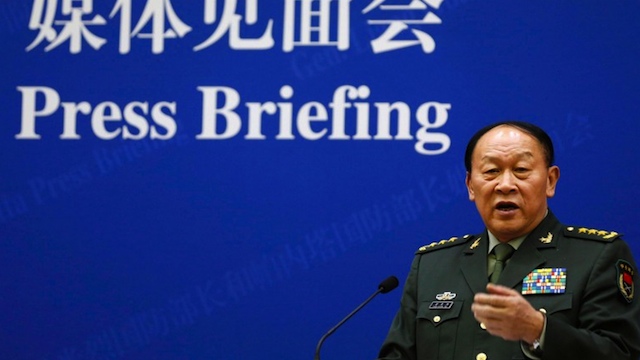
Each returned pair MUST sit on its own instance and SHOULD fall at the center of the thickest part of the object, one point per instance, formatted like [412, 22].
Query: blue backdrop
[228, 179]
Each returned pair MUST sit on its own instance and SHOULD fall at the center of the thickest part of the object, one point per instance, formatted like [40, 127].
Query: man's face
[510, 181]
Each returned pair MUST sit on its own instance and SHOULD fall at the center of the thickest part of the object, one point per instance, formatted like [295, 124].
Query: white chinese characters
[305, 23]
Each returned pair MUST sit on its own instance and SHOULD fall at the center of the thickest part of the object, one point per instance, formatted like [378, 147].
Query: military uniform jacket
[592, 315]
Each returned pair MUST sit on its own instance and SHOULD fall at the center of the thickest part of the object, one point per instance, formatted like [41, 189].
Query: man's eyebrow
[520, 154]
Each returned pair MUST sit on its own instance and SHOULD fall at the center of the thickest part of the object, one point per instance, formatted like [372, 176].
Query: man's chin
[506, 230]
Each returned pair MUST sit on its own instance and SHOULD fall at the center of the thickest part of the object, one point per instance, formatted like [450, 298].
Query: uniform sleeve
[609, 322]
[400, 343]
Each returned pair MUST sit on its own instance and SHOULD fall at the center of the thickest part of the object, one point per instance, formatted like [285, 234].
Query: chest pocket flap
[438, 314]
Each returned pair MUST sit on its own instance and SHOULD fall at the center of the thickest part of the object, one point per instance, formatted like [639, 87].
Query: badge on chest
[443, 301]
[545, 281]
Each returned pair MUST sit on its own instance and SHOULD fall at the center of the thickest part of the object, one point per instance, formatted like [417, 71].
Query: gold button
[436, 319]
[481, 356]
[543, 310]
[483, 326]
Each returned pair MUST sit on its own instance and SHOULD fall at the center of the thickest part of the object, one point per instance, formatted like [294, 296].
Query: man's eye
[491, 171]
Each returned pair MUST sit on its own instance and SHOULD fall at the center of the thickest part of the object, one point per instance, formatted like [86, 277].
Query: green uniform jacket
[594, 317]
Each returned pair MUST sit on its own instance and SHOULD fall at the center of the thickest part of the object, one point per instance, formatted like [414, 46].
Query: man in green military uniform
[528, 287]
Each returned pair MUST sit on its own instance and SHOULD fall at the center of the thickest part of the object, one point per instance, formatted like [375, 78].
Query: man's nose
[506, 183]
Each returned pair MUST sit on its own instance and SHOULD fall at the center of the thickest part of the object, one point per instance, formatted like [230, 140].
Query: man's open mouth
[506, 206]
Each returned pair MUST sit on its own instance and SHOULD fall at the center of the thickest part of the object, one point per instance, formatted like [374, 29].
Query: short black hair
[531, 129]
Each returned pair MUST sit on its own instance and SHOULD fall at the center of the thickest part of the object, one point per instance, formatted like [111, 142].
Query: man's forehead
[508, 139]
[506, 132]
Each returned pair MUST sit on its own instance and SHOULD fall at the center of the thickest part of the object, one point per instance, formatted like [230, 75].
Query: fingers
[497, 306]
[504, 312]
[488, 309]
[496, 296]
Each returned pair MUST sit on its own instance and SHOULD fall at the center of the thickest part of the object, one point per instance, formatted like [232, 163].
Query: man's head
[510, 175]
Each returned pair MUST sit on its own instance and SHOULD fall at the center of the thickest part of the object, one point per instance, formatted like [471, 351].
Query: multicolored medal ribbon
[545, 281]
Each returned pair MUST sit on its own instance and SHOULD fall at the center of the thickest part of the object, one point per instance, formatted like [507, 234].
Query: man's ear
[467, 180]
[553, 175]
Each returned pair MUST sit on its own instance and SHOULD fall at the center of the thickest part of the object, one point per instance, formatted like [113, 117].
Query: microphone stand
[333, 329]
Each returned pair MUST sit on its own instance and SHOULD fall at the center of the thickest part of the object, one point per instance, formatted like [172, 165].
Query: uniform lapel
[474, 263]
[522, 263]
[529, 257]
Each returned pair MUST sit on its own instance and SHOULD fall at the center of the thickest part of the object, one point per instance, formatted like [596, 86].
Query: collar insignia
[546, 239]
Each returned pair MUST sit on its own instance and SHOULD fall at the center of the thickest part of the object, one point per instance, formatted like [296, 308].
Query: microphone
[385, 286]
